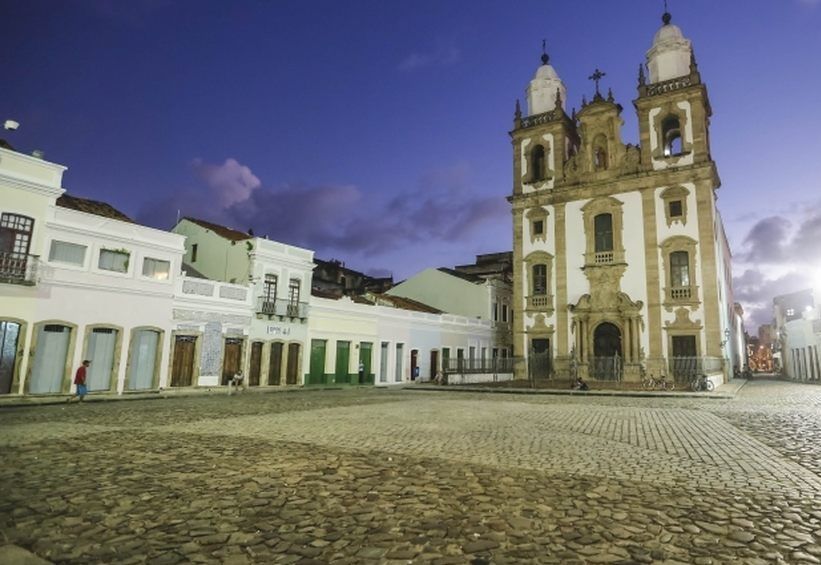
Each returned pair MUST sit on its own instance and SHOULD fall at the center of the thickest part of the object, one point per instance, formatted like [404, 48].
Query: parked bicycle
[661, 383]
[702, 383]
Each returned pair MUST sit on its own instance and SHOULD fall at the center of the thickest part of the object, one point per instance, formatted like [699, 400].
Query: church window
[680, 269]
[539, 280]
[676, 210]
[603, 227]
[538, 227]
[671, 134]
[600, 153]
[537, 161]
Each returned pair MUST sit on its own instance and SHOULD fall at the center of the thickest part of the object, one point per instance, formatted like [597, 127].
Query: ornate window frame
[671, 110]
[534, 215]
[604, 205]
[679, 295]
[673, 194]
[541, 303]
[600, 153]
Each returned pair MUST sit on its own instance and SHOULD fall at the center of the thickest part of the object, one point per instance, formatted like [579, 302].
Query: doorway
[316, 371]
[434, 364]
[292, 372]
[275, 364]
[343, 358]
[539, 361]
[9, 335]
[182, 367]
[366, 360]
[141, 370]
[414, 364]
[256, 360]
[231, 358]
[49, 369]
[102, 346]
[607, 353]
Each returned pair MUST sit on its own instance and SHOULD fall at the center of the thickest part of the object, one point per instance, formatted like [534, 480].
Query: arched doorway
[607, 352]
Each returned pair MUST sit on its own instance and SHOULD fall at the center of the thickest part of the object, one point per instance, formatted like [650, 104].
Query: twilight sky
[376, 131]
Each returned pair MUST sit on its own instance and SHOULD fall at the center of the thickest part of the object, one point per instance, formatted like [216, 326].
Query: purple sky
[376, 131]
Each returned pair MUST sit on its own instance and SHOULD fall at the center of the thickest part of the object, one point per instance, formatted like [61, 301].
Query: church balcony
[603, 257]
[19, 268]
[540, 303]
[682, 294]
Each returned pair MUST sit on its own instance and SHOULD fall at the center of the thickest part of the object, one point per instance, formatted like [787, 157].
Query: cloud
[333, 218]
[439, 58]
[755, 289]
[776, 240]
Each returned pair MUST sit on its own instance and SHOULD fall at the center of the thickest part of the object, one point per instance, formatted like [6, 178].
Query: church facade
[622, 264]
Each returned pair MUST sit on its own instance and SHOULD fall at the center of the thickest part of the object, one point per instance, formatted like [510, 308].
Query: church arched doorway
[607, 352]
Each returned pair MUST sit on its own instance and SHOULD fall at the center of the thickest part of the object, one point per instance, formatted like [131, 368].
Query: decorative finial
[596, 77]
[666, 17]
[693, 64]
[584, 101]
[518, 113]
[558, 105]
[573, 114]
[642, 79]
[545, 56]
[610, 97]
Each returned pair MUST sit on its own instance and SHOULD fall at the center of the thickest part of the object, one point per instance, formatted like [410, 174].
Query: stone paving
[374, 476]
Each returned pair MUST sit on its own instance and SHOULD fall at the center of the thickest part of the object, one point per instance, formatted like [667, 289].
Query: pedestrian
[579, 384]
[80, 382]
[237, 381]
[361, 372]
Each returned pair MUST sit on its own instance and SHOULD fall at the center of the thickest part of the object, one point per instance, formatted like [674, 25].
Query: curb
[561, 392]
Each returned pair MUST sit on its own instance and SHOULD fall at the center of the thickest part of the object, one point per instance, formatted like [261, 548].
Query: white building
[798, 327]
[79, 280]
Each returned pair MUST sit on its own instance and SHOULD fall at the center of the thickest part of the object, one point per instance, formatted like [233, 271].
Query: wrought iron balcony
[266, 305]
[18, 268]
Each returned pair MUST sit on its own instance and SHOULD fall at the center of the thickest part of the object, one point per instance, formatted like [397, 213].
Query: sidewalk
[723, 392]
[94, 397]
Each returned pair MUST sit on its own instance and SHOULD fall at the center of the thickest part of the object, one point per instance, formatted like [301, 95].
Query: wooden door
[414, 364]
[292, 373]
[343, 359]
[231, 359]
[256, 359]
[434, 364]
[317, 368]
[182, 368]
[9, 334]
[275, 364]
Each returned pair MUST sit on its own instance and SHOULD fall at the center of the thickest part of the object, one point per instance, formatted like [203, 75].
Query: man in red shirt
[80, 381]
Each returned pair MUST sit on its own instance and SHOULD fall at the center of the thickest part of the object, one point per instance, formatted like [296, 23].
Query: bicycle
[701, 382]
[661, 383]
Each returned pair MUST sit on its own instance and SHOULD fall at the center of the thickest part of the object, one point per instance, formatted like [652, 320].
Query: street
[401, 476]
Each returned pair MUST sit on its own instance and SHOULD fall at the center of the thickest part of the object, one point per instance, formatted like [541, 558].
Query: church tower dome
[669, 57]
[543, 89]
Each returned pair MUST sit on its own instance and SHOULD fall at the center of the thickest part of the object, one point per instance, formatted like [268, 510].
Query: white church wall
[634, 281]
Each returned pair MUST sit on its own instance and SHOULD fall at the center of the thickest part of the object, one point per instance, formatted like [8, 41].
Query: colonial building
[621, 262]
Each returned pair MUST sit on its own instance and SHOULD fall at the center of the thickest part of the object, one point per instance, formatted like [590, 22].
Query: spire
[666, 17]
[545, 56]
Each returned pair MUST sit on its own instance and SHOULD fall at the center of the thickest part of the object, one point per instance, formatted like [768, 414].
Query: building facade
[620, 259]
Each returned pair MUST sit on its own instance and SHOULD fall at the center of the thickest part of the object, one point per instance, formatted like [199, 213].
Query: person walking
[80, 382]
[237, 382]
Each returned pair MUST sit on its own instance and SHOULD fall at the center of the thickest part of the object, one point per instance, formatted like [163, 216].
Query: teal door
[343, 358]
[316, 374]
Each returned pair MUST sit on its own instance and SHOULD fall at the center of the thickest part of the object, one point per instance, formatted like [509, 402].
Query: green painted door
[343, 358]
[365, 359]
[316, 375]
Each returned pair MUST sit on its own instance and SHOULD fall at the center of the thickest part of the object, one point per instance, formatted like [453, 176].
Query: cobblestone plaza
[403, 476]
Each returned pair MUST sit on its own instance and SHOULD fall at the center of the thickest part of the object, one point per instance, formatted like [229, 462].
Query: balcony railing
[266, 305]
[18, 268]
[478, 365]
[283, 308]
[684, 368]
[682, 293]
[603, 257]
[539, 302]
